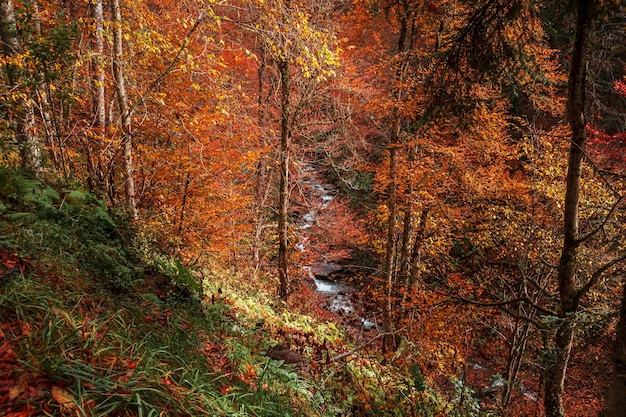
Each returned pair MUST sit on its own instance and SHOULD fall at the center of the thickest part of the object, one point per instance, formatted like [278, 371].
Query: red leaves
[14, 388]
[11, 264]
[609, 150]
[7, 355]
[620, 87]
[25, 411]
[63, 398]
[10, 387]
[432, 7]
[19, 388]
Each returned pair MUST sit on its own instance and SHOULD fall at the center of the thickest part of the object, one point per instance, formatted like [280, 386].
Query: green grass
[128, 356]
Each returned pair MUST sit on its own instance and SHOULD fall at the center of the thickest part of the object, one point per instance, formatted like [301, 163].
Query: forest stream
[329, 277]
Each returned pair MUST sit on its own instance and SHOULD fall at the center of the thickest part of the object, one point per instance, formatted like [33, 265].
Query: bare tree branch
[598, 274]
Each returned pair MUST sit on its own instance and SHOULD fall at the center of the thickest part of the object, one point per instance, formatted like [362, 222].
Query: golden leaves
[290, 34]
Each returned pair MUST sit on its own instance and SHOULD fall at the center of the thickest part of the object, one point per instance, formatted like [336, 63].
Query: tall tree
[122, 99]
[97, 13]
[610, 153]
[303, 54]
[96, 167]
[283, 190]
[30, 148]
[583, 232]
[262, 183]
[569, 295]
[404, 19]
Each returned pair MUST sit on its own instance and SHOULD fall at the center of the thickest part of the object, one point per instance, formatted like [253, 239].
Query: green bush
[75, 227]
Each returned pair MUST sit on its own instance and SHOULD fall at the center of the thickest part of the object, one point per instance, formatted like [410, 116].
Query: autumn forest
[313, 208]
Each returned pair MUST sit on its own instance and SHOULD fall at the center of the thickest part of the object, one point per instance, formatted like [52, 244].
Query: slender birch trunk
[392, 207]
[120, 86]
[97, 13]
[45, 105]
[261, 175]
[97, 162]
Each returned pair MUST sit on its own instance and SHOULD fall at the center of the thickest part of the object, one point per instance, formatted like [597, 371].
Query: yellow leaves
[20, 61]
[159, 97]
[223, 110]
[289, 34]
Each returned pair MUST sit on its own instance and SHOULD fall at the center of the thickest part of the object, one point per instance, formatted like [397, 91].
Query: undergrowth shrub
[67, 227]
[179, 275]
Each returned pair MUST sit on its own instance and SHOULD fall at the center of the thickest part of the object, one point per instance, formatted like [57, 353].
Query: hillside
[95, 322]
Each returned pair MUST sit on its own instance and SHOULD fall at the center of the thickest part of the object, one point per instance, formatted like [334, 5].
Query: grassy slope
[92, 323]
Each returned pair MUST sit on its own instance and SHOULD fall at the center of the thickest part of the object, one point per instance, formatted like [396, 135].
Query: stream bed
[328, 277]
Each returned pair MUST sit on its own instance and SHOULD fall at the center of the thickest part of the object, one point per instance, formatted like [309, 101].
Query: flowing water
[336, 292]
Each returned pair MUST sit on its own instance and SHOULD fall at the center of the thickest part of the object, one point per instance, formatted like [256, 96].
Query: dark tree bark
[616, 394]
[569, 294]
[407, 228]
[283, 204]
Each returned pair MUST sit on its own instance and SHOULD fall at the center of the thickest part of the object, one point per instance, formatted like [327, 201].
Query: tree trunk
[407, 229]
[392, 207]
[516, 356]
[261, 174]
[285, 136]
[45, 104]
[97, 14]
[183, 203]
[568, 293]
[414, 271]
[616, 393]
[120, 86]
[96, 164]
[615, 396]
[30, 148]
